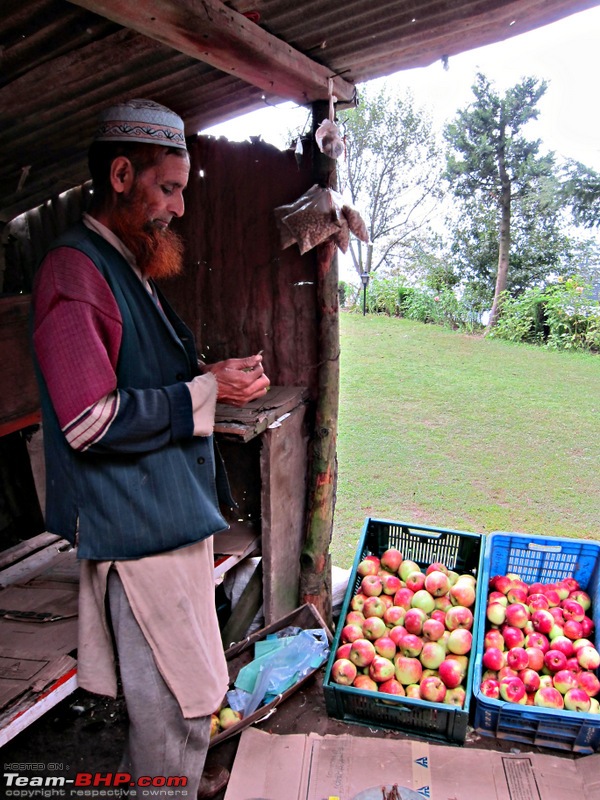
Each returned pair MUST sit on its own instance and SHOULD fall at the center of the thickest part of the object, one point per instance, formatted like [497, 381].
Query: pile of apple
[536, 647]
[408, 631]
[222, 719]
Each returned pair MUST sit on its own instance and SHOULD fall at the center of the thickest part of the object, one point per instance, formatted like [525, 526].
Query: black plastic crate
[544, 560]
[459, 551]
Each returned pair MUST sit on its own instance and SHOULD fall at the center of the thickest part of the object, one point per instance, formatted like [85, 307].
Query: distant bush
[562, 316]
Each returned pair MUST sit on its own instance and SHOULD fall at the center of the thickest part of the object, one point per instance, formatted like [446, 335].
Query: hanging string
[332, 99]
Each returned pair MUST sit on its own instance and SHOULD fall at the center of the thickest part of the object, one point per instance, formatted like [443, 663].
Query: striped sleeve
[77, 334]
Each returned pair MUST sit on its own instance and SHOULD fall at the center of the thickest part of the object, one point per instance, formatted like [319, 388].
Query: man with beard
[133, 479]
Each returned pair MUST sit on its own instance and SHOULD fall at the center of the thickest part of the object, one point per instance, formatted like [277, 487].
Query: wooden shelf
[255, 417]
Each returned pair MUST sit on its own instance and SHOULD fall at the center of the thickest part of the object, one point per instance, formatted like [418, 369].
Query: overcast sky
[566, 54]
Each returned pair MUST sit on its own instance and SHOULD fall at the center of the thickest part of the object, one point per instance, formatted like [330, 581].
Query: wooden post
[315, 575]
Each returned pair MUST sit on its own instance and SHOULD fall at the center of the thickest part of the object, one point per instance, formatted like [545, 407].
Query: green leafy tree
[491, 161]
[392, 174]
[581, 190]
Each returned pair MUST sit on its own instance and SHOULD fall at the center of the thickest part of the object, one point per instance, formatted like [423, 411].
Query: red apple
[563, 644]
[572, 610]
[460, 641]
[577, 700]
[437, 566]
[582, 598]
[517, 615]
[381, 669]
[424, 600]
[354, 618]
[555, 660]
[403, 597]
[459, 617]
[564, 679]
[432, 655]
[362, 652]
[542, 621]
[513, 637]
[451, 673]
[535, 658]
[350, 633]
[531, 679]
[589, 682]
[490, 688]
[548, 697]
[462, 593]
[368, 566]
[364, 682]
[414, 619]
[432, 629]
[432, 689]
[516, 594]
[396, 633]
[573, 629]
[410, 645]
[415, 580]
[385, 646]
[357, 602]
[371, 586]
[538, 640]
[455, 697]
[493, 638]
[390, 584]
[406, 567]
[391, 559]
[343, 672]
[437, 583]
[493, 658]
[537, 602]
[392, 686]
[408, 670]
[394, 616]
[552, 596]
[496, 613]
[588, 657]
[587, 626]
[374, 628]
[374, 606]
[512, 690]
[517, 658]
[343, 650]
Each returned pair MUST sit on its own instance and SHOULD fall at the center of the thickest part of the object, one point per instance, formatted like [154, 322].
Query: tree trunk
[315, 565]
[504, 238]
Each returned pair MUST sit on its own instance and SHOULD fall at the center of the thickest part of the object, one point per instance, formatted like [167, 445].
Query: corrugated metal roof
[60, 64]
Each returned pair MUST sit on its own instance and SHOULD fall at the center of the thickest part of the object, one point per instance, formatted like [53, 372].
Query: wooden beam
[212, 32]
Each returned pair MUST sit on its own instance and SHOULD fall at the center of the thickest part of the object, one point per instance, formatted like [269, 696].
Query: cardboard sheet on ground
[38, 630]
[312, 767]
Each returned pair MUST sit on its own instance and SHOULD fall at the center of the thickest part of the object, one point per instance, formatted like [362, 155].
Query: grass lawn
[455, 431]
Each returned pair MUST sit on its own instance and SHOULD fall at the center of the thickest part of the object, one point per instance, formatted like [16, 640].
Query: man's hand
[239, 380]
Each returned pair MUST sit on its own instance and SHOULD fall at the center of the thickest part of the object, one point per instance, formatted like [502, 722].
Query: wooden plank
[283, 499]
[255, 417]
[17, 718]
[26, 548]
[37, 564]
[214, 33]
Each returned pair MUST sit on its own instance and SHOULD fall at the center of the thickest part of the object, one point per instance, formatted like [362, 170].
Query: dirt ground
[85, 733]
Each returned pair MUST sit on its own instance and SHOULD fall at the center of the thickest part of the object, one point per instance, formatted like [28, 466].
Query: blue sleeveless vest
[124, 506]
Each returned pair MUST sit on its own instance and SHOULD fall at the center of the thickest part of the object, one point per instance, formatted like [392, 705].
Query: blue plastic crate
[544, 560]
[459, 551]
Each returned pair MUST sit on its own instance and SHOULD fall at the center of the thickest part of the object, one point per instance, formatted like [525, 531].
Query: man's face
[142, 216]
[161, 188]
